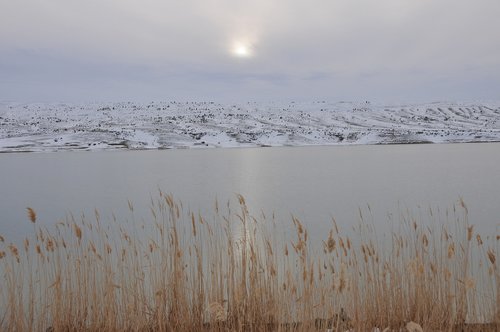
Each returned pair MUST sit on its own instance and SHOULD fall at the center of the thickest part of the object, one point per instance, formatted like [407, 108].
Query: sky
[260, 50]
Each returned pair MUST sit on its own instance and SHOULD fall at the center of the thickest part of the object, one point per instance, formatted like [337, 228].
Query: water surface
[312, 183]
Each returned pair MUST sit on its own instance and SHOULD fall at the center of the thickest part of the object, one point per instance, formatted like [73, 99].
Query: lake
[311, 183]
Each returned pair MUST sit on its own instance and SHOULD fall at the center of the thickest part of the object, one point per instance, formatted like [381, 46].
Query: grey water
[315, 184]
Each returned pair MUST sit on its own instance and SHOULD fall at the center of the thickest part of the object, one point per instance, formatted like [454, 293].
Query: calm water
[313, 183]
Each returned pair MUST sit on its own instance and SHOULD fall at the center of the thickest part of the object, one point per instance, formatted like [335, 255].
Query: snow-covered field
[164, 125]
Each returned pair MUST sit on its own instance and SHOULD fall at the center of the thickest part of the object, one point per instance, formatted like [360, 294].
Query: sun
[241, 50]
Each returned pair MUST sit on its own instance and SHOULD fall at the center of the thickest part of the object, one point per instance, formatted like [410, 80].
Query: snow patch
[163, 125]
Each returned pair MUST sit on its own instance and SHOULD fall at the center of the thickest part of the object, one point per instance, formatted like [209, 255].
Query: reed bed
[179, 271]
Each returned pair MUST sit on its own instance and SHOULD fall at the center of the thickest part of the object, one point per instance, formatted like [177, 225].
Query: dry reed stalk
[184, 273]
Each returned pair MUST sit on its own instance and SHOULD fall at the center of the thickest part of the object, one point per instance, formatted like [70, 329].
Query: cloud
[333, 43]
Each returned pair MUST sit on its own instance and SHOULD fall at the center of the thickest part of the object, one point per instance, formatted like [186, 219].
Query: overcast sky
[233, 50]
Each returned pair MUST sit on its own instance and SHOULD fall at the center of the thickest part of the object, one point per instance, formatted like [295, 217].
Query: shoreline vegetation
[179, 271]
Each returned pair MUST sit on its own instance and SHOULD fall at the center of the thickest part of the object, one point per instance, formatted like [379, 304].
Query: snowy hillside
[164, 125]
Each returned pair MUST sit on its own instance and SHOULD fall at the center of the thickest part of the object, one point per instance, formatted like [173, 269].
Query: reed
[233, 272]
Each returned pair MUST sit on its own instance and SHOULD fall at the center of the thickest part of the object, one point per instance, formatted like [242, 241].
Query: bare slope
[126, 125]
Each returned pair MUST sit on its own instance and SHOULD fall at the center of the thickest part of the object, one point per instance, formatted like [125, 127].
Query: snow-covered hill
[163, 125]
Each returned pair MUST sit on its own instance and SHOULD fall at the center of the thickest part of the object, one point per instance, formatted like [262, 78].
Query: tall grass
[234, 272]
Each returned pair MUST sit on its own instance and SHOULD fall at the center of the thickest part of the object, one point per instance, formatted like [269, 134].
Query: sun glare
[241, 50]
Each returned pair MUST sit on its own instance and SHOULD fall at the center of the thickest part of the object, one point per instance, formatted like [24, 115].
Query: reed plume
[232, 271]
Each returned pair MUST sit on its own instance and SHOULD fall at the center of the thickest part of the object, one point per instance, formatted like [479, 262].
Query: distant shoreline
[171, 125]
